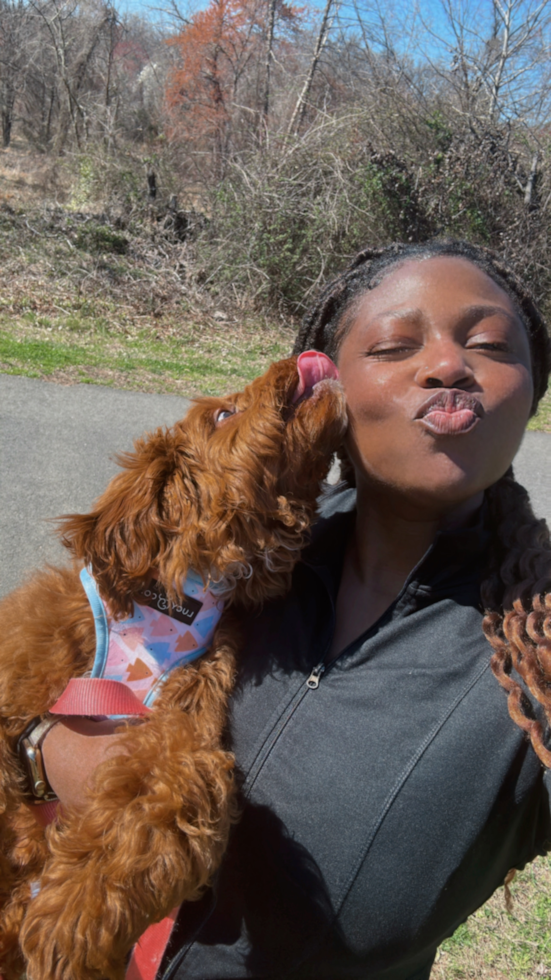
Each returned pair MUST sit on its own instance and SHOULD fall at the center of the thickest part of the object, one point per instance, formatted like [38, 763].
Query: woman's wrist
[72, 751]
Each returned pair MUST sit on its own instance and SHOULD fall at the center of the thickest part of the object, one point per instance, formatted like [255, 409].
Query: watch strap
[30, 754]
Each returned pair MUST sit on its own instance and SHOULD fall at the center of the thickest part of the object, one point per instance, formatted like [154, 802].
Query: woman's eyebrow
[475, 312]
[479, 311]
[413, 313]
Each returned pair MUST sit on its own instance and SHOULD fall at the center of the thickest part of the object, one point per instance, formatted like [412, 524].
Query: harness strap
[45, 813]
[91, 696]
[101, 626]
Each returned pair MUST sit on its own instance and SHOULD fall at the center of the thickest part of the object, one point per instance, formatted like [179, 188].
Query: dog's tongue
[313, 367]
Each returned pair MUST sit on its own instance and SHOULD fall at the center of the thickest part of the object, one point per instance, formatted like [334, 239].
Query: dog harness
[142, 650]
[135, 655]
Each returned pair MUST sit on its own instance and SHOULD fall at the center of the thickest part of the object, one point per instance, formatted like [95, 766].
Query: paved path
[533, 470]
[56, 448]
[56, 444]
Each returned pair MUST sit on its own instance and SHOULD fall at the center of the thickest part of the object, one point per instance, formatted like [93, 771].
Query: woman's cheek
[376, 442]
[513, 398]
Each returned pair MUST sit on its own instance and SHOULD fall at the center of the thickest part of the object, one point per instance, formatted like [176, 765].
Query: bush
[284, 221]
[99, 239]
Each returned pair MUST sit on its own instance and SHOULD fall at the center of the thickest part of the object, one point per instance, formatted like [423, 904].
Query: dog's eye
[223, 414]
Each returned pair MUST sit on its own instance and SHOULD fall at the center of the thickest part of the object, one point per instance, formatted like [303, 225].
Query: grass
[542, 421]
[497, 945]
[77, 307]
[190, 362]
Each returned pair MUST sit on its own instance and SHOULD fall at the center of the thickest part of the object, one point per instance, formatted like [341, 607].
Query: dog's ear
[130, 527]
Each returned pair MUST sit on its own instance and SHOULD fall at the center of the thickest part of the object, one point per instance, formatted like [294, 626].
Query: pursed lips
[450, 411]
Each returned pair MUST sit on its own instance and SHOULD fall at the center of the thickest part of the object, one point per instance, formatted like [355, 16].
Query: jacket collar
[456, 558]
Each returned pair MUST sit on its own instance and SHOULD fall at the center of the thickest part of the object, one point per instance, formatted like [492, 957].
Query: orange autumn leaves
[222, 52]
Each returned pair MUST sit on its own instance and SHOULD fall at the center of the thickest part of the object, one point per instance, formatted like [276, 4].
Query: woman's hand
[72, 751]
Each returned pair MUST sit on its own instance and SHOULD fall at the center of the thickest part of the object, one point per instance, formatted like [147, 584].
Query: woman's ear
[129, 528]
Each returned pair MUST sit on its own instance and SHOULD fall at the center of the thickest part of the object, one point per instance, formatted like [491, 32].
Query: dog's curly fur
[232, 500]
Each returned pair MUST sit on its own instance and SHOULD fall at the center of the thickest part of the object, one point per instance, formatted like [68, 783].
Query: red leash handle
[91, 696]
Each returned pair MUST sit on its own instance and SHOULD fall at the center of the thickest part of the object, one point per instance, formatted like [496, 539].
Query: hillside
[84, 299]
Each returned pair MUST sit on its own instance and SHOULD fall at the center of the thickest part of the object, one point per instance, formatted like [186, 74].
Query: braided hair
[516, 589]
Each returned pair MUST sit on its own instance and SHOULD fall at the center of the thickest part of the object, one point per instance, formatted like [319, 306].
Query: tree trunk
[269, 56]
[300, 108]
[6, 129]
[8, 102]
[529, 193]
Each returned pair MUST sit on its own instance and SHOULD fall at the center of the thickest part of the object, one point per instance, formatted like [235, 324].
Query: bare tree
[331, 9]
[495, 59]
[14, 59]
[269, 56]
[74, 33]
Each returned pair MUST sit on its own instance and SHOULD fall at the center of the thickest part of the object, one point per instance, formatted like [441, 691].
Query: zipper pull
[313, 681]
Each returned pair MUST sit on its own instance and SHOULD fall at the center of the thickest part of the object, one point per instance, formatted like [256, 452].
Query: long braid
[516, 596]
[516, 593]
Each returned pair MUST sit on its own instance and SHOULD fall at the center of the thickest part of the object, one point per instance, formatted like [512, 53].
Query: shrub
[99, 239]
[285, 220]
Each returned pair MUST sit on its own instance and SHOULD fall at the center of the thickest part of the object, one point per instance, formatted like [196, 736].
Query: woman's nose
[444, 365]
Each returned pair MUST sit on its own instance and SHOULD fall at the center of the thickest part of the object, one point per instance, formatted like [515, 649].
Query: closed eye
[500, 348]
[492, 345]
[395, 349]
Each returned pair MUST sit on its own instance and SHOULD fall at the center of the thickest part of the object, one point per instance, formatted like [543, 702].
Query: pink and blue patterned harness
[142, 650]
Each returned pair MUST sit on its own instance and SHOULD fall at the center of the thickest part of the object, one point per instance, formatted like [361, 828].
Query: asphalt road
[56, 449]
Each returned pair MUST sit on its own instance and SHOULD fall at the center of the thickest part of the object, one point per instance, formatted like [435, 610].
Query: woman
[388, 792]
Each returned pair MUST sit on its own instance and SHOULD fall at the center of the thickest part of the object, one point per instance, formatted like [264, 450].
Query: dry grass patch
[28, 177]
[497, 945]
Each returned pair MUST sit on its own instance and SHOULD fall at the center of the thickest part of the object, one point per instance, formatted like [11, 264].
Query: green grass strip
[211, 371]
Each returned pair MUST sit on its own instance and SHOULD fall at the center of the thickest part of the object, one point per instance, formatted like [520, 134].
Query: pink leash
[91, 696]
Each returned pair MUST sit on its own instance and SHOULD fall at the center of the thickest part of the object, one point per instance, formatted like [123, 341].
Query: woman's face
[436, 370]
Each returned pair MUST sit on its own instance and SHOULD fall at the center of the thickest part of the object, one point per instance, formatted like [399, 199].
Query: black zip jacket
[385, 796]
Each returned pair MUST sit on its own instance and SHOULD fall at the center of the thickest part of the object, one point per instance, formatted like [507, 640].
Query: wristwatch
[29, 748]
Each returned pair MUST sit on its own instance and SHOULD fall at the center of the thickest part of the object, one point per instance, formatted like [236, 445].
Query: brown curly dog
[229, 492]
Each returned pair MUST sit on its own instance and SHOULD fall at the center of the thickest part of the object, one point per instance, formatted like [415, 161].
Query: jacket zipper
[317, 672]
[313, 681]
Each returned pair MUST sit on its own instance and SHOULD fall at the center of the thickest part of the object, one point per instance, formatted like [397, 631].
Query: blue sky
[399, 13]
